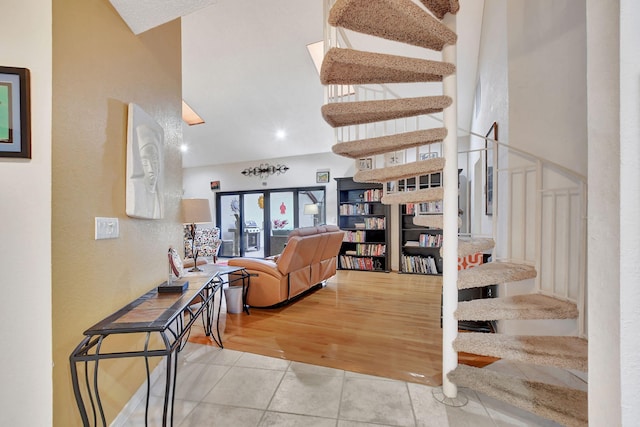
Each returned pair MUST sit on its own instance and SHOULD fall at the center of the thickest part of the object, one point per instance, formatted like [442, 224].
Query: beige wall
[100, 66]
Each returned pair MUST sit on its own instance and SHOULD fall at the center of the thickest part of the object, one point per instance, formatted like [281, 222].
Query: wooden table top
[155, 311]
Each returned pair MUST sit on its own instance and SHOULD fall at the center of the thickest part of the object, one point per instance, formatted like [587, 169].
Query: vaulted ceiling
[248, 74]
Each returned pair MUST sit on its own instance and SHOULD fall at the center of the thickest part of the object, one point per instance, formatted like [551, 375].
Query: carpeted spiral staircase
[407, 22]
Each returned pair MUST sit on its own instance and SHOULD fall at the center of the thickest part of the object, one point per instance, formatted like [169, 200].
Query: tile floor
[229, 388]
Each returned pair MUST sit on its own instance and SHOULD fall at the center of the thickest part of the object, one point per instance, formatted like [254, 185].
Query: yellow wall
[99, 66]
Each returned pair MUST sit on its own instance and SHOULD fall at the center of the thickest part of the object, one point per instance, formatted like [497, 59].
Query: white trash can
[233, 296]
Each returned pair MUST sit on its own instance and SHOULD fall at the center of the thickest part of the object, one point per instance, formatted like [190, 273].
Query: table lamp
[195, 211]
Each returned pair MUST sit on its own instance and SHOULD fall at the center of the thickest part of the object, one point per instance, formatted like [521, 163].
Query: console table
[165, 320]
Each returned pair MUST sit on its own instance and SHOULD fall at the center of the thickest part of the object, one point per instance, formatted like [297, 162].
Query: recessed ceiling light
[184, 148]
[189, 116]
[281, 134]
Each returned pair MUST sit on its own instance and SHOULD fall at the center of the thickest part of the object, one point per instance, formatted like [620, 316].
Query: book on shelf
[175, 286]
[375, 223]
[370, 249]
[359, 263]
[355, 236]
[430, 207]
[355, 209]
[430, 240]
[410, 208]
[419, 264]
[372, 195]
[412, 243]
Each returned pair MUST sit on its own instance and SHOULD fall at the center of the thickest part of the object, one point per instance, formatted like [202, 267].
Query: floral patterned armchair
[207, 242]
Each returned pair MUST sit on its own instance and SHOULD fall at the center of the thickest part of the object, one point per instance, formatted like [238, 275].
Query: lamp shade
[195, 211]
[311, 209]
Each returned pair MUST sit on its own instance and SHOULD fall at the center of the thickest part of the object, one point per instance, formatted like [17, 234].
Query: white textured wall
[603, 213]
[25, 229]
[492, 102]
[532, 82]
[548, 81]
[629, 210]
[302, 173]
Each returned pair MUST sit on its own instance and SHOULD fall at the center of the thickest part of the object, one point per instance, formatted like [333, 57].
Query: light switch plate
[107, 228]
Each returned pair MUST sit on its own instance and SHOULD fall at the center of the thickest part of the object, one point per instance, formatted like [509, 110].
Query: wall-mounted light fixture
[265, 170]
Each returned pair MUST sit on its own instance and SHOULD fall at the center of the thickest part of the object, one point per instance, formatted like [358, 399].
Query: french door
[257, 223]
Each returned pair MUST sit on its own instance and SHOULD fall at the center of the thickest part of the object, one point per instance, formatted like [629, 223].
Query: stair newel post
[450, 226]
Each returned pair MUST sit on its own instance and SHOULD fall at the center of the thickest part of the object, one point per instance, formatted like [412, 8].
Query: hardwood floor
[383, 324]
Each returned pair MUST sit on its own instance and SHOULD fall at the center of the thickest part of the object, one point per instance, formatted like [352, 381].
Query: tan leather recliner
[308, 259]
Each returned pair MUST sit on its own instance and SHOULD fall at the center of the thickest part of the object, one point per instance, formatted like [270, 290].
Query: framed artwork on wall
[365, 163]
[394, 158]
[15, 113]
[429, 155]
[215, 185]
[322, 177]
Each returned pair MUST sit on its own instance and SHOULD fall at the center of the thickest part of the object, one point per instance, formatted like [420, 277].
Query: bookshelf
[420, 246]
[365, 222]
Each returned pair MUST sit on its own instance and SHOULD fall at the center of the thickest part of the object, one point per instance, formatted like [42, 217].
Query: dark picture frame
[15, 113]
[322, 177]
[492, 133]
[215, 185]
[366, 163]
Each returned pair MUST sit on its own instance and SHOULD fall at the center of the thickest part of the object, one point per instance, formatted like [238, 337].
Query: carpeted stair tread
[523, 307]
[423, 195]
[352, 113]
[384, 144]
[403, 171]
[441, 7]
[470, 246]
[399, 20]
[432, 221]
[564, 352]
[494, 273]
[564, 405]
[349, 66]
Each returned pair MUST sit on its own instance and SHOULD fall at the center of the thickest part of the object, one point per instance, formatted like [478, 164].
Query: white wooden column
[450, 228]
